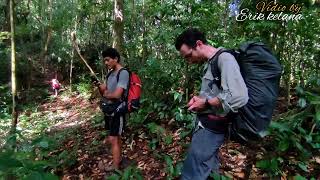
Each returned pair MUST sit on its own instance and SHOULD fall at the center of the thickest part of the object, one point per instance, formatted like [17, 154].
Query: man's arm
[234, 92]
[115, 94]
[110, 95]
[102, 88]
[197, 103]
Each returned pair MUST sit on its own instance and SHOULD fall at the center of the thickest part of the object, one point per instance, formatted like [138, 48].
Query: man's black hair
[190, 37]
[111, 52]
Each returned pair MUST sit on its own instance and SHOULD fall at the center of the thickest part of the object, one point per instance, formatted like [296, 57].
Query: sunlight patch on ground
[62, 125]
[65, 98]
[70, 119]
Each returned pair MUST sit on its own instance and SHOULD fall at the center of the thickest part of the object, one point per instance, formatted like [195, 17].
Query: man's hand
[95, 81]
[196, 103]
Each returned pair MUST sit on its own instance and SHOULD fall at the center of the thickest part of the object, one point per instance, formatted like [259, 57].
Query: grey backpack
[261, 72]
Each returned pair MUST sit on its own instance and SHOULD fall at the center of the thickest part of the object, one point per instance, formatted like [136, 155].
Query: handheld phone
[186, 108]
[95, 81]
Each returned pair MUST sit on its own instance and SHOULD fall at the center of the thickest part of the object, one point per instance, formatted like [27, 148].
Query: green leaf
[317, 114]
[49, 176]
[169, 163]
[44, 144]
[302, 102]
[178, 168]
[303, 166]
[316, 145]
[283, 145]
[126, 174]
[279, 126]
[280, 159]
[299, 90]
[308, 138]
[168, 139]
[40, 176]
[7, 162]
[114, 177]
[315, 102]
[153, 143]
[176, 95]
[215, 176]
[264, 164]
[274, 164]
[34, 176]
[299, 178]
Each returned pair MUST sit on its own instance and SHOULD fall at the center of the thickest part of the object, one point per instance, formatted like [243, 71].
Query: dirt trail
[91, 152]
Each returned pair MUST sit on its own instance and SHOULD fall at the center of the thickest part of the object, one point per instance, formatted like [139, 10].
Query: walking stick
[75, 45]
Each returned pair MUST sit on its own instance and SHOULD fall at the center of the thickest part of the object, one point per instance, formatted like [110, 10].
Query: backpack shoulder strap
[215, 71]
[118, 75]
[125, 95]
[108, 74]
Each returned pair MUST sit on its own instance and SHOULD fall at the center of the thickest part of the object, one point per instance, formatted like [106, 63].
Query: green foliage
[28, 162]
[130, 173]
[4, 35]
[158, 135]
[296, 134]
[5, 102]
[37, 158]
[5, 112]
[171, 170]
[216, 176]
[84, 87]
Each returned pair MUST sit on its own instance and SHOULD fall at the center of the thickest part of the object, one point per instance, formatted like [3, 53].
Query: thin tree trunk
[288, 76]
[72, 56]
[45, 49]
[144, 46]
[225, 19]
[29, 72]
[13, 72]
[288, 86]
[118, 27]
[7, 16]
[71, 67]
[44, 55]
[301, 65]
[133, 13]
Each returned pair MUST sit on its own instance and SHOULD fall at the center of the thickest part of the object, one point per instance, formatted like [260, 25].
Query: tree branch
[75, 45]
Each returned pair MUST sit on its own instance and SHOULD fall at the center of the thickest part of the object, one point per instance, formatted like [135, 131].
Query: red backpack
[133, 93]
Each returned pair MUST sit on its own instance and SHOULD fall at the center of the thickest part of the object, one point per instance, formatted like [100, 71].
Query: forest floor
[81, 123]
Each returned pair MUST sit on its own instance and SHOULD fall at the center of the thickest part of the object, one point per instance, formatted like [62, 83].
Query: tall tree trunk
[29, 59]
[13, 71]
[118, 27]
[72, 56]
[44, 54]
[45, 49]
[289, 66]
[144, 42]
[225, 19]
[7, 16]
[71, 68]
[30, 65]
[301, 64]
